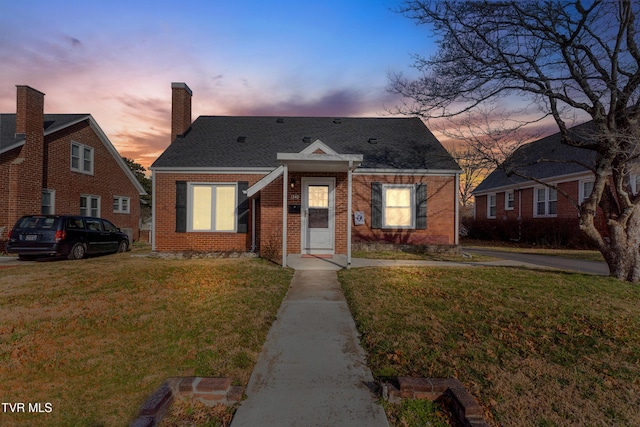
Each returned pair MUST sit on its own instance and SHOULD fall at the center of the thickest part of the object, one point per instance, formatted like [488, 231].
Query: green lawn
[535, 348]
[95, 337]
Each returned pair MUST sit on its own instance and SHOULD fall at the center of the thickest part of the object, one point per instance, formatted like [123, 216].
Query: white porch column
[349, 213]
[285, 196]
[456, 236]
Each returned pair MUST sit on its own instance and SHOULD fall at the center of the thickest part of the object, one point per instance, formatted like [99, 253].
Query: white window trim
[119, 208]
[90, 197]
[581, 197]
[412, 206]
[494, 205]
[506, 200]
[190, 187]
[81, 158]
[633, 183]
[546, 203]
[52, 194]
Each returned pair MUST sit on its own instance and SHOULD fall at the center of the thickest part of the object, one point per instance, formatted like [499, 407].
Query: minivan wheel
[123, 246]
[78, 251]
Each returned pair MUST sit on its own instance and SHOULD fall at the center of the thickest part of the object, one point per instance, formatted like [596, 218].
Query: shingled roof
[52, 122]
[543, 159]
[253, 142]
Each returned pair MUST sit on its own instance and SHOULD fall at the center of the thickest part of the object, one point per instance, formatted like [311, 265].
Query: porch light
[292, 183]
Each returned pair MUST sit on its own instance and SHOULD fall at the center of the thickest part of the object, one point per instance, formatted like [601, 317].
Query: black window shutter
[243, 207]
[421, 206]
[376, 205]
[181, 206]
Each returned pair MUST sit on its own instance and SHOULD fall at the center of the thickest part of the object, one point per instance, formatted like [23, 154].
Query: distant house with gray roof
[300, 185]
[62, 164]
[504, 196]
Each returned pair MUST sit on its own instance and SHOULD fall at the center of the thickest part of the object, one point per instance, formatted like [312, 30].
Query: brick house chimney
[180, 109]
[26, 171]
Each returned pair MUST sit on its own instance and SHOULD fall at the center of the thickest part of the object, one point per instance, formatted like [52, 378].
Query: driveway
[580, 266]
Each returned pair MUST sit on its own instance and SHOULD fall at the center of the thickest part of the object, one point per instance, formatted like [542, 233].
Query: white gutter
[253, 225]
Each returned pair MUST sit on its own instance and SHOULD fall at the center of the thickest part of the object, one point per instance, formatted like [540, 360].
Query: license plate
[31, 237]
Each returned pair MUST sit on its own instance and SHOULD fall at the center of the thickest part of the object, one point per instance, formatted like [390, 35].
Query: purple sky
[116, 60]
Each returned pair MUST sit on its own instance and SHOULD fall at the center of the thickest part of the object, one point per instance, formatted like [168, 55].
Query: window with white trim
[89, 205]
[491, 205]
[398, 206]
[81, 158]
[545, 202]
[634, 183]
[585, 189]
[509, 201]
[121, 204]
[48, 201]
[211, 207]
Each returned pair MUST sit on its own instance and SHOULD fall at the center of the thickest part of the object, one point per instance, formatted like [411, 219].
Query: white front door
[318, 212]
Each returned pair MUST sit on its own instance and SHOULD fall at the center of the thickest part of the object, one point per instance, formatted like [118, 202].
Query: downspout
[349, 213]
[456, 236]
[152, 233]
[285, 195]
[253, 225]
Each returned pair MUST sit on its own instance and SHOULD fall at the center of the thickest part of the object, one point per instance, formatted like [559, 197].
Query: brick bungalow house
[504, 200]
[300, 185]
[62, 164]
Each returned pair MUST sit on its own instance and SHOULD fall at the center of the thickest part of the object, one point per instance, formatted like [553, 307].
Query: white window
[491, 206]
[398, 203]
[212, 207]
[545, 202]
[509, 201]
[634, 182]
[121, 204]
[90, 205]
[585, 188]
[48, 202]
[81, 158]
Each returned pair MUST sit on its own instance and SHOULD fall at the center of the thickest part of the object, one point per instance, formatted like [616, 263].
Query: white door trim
[304, 232]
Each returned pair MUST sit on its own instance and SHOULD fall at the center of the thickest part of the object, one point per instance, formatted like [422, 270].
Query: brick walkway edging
[463, 405]
[209, 391]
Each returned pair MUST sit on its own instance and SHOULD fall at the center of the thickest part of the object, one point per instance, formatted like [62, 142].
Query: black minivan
[36, 236]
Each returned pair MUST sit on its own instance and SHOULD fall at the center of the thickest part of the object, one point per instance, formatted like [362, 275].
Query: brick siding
[440, 213]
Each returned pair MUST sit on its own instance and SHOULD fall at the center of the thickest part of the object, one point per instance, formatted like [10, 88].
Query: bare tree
[567, 59]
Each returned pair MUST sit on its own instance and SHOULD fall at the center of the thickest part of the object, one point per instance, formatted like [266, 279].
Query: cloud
[338, 102]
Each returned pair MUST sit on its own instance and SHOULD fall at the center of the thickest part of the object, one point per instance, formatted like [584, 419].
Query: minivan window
[41, 223]
[75, 224]
[94, 225]
[108, 226]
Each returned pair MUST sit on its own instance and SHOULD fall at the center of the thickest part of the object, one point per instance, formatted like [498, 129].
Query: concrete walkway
[312, 370]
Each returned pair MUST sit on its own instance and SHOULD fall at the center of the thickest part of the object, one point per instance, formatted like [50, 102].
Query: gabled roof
[253, 142]
[561, 159]
[53, 123]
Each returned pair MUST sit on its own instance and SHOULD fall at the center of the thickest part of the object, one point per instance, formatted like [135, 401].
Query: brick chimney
[180, 109]
[26, 171]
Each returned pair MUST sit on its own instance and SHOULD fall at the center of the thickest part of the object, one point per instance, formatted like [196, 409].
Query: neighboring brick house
[62, 164]
[300, 185]
[503, 198]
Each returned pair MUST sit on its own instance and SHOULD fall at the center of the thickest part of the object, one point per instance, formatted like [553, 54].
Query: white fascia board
[258, 186]
[47, 132]
[558, 179]
[409, 172]
[287, 157]
[210, 170]
[66, 125]
[112, 150]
